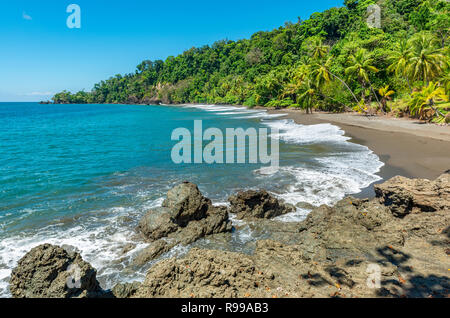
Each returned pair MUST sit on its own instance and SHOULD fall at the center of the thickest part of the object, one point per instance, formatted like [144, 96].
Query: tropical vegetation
[334, 61]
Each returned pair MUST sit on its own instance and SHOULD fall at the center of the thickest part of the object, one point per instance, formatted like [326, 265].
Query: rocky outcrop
[49, 271]
[184, 217]
[186, 203]
[257, 204]
[404, 196]
[125, 290]
[152, 251]
[358, 248]
[151, 100]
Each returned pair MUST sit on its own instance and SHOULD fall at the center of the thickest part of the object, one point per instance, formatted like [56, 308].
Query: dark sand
[406, 147]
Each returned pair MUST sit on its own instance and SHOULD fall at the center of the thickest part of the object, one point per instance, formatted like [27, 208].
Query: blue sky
[40, 55]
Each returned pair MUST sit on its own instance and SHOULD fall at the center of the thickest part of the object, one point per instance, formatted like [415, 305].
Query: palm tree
[427, 60]
[320, 76]
[445, 81]
[385, 94]
[400, 60]
[361, 64]
[319, 72]
[425, 99]
[317, 49]
[298, 76]
[307, 96]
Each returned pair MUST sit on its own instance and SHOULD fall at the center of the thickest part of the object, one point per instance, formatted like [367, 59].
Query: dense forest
[333, 61]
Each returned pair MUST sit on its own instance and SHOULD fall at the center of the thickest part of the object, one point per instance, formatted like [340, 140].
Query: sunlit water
[83, 175]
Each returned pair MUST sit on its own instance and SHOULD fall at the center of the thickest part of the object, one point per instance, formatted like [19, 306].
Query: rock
[128, 247]
[330, 254]
[202, 273]
[157, 223]
[404, 196]
[132, 99]
[216, 221]
[151, 252]
[49, 271]
[257, 204]
[185, 216]
[151, 100]
[186, 203]
[125, 290]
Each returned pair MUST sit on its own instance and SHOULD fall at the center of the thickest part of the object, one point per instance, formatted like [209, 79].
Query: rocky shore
[395, 245]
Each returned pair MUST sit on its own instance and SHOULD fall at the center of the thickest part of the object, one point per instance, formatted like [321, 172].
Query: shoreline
[408, 149]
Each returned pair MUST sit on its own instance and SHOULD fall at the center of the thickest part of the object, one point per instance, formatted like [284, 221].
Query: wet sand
[407, 147]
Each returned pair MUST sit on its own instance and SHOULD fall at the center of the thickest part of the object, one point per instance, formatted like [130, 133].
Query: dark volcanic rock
[49, 271]
[257, 204]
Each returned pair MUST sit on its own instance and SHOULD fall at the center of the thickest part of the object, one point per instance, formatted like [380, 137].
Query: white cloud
[26, 16]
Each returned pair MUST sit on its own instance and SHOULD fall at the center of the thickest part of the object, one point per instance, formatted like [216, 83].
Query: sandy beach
[407, 147]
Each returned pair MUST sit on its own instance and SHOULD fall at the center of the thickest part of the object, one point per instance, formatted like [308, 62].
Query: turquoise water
[82, 175]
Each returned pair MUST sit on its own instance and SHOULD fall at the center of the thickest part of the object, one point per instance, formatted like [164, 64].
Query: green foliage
[425, 100]
[333, 61]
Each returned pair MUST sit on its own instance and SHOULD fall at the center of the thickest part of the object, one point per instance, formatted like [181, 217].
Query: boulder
[157, 223]
[186, 203]
[49, 271]
[185, 216]
[404, 196]
[257, 204]
[216, 221]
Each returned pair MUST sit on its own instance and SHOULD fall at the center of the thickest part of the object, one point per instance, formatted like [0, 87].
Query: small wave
[99, 241]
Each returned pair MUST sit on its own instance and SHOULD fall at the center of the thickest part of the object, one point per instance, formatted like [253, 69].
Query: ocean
[82, 175]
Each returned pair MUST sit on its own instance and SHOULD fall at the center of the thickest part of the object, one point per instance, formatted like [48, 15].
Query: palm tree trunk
[325, 96]
[409, 85]
[373, 91]
[351, 92]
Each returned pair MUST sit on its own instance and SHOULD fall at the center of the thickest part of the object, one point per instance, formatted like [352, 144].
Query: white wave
[100, 245]
[291, 132]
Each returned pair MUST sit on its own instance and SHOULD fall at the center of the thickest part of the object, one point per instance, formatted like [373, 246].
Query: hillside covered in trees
[333, 61]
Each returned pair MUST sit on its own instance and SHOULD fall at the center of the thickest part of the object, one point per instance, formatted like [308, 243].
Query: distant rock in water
[257, 204]
[49, 271]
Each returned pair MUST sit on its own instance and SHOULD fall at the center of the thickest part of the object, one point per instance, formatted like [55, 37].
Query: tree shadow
[316, 279]
[341, 276]
[417, 285]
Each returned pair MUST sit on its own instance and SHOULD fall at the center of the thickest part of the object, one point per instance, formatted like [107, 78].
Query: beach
[407, 147]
